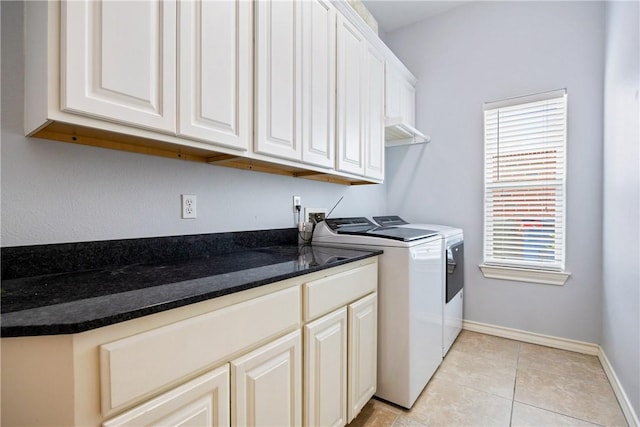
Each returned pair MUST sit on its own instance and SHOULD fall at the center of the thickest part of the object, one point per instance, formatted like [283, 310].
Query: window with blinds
[524, 191]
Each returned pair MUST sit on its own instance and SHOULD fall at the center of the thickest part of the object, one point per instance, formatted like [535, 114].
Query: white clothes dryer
[454, 281]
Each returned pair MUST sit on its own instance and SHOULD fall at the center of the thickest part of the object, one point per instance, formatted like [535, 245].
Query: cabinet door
[318, 82]
[408, 102]
[400, 95]
[350, 86]
[393, 92]
[119, 61]
[267, 384]
[215, 87]
[278, 70]
[326, 370]
[363, 333]
[374, 114]
[198, 403]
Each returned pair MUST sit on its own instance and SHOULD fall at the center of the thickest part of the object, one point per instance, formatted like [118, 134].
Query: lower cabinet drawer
[134, 367]
[329, 293]
[203, 402]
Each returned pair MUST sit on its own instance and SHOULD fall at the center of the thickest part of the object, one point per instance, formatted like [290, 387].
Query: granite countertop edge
[92, 313]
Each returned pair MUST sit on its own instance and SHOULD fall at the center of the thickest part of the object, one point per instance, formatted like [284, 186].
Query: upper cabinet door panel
[409, 103]
[318, 82]
[393, 92]
[400, 95]
[215, 49]
[374, 117]
[350, 157]
[278, 60]
[119, 61]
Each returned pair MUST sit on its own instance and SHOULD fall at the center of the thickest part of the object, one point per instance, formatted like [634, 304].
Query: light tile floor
[492, 381]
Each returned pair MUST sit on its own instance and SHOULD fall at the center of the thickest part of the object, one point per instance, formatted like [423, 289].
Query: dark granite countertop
[72, 302]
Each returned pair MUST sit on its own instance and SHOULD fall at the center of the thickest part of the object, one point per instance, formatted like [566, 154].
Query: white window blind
[525, 185]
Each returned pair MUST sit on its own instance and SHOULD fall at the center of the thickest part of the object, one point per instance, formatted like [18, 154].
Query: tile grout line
[515, 382]
[538, 407]
[561, 414]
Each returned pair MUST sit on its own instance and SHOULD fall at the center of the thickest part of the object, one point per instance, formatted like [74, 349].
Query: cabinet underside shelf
[396, 133]
[64, 132]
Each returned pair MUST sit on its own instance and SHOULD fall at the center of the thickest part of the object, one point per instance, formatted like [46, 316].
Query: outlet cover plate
[311, 211]
[189, 206]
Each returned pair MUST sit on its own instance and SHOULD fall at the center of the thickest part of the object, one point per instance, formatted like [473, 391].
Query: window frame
[510, 269]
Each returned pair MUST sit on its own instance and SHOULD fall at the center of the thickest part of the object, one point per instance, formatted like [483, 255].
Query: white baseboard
[533, 338]
[623, 399]
[563, 344]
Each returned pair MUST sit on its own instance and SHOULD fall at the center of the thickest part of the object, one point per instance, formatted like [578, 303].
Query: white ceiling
[394, 14]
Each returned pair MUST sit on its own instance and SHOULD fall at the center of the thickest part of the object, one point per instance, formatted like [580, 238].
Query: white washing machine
[410, 296]
[454, 280]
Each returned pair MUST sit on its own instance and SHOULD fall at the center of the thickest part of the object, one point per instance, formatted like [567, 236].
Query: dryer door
[455, 269]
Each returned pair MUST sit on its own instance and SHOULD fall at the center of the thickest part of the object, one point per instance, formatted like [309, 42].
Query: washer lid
[450, 234]
[389, 220]
[395, 233]
[359, 223]
[361, 226]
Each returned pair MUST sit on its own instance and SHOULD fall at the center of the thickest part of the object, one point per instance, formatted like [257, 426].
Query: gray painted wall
[55, 192]
[487, 51]
[621, 217]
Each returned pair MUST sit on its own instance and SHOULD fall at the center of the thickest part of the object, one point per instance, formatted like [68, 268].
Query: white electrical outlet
[188, 206]
[297, 201]
[316, 213]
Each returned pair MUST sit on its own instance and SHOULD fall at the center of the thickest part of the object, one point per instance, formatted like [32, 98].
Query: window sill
[557, 278]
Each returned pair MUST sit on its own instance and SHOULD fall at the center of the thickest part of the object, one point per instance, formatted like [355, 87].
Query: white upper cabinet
[215, 59]
[283, 86]
[400, 108]
[374, 114]
[350, 89]
[360, 88]
[400, 95]
[393, 96]
[295, 80]
[118, 61]
[318, 82]
[278, 56]
[409, 102]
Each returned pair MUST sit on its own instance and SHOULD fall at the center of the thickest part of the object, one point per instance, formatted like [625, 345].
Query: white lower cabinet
[363, 350]
[340, 363]
[325, 372]
[267, 384]
[232, 360]
[340, 345]
[202, 402]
